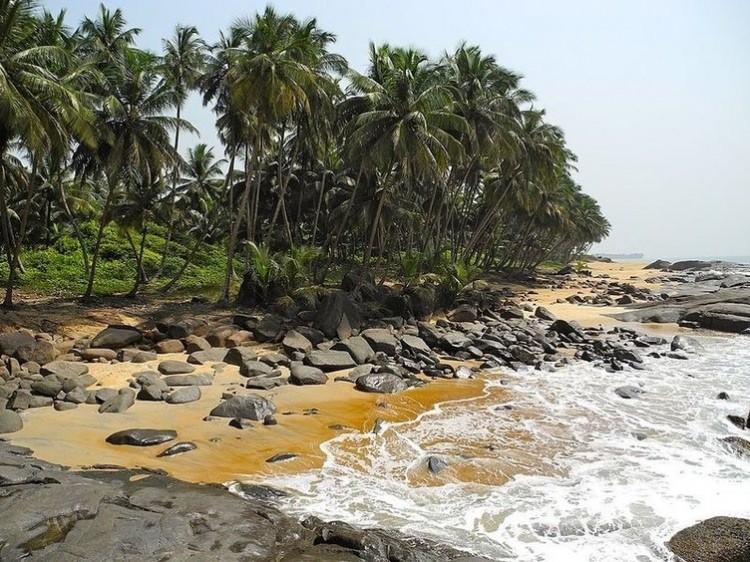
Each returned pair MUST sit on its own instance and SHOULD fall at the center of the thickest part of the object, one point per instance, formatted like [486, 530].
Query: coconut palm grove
[427, 171]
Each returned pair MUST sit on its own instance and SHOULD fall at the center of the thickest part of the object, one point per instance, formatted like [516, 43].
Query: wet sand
[76, 438]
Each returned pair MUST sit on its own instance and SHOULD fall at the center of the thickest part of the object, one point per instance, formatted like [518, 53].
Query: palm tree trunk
[191, 256]
[224, 297]
[74, 226]
[375, 222]
[16, 253]
[319, 204]
[140, 276]
[172, 196]
[235, 231]
[99, 236]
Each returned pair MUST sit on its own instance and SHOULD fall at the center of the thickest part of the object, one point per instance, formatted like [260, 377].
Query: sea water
[550, 466]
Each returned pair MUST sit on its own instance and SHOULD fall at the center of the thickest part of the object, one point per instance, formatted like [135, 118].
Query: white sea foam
[594, 477]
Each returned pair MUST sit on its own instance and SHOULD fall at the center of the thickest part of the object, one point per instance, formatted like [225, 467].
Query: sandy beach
[307, 416]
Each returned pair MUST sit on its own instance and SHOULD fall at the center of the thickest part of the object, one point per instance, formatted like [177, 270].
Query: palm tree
[37, 106]
[182, 65]
[135, 148]
[402, 124]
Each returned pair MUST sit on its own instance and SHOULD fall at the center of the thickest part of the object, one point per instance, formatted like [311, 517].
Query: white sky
[653, 95]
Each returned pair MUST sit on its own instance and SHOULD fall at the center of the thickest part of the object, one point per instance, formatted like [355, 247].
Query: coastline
[225, 453]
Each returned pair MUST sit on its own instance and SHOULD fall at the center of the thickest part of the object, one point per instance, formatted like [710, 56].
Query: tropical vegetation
[413, 167]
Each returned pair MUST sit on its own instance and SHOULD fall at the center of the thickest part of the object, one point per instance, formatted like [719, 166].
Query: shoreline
[225, 453]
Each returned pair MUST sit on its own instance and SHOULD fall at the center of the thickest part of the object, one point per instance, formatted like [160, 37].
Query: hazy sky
[653, 95]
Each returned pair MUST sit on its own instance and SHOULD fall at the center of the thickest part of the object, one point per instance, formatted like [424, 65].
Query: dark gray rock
[184, 395]
[239, 355]
[719, 539]
[382, 340]
[463, 313]
[686, 265]
[337, 316]
[281, 457]
[737, 445]
[358, 348]
[685, 343]
[178, 449]
[124, 399]
[64, 369]
[252, 406]
[294, 341]
[142, 437]
[316, 337]
[64, 406]
[304, 375]
[212, 355]
[544, 314]
[117, 336]
[415, 344]
[10, 421]
[629, 392]
[453, 342]
[264, 383]
[188, 380]
[436, 464]
[9, 343]
[273, 359]
[39, 352]
[429, 333]
[330, 360]
[384, 383]
[658, 264]
[173, 367]
[50, 385]
[269, 329]
[255, 369]
[629, 355]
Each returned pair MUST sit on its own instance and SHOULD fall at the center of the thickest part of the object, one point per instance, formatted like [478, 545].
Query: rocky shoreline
[360, 335]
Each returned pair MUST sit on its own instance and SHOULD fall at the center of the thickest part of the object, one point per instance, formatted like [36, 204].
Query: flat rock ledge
[52, 514]
[719, 539]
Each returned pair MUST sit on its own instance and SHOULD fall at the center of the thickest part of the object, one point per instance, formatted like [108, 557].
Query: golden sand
[76, 438]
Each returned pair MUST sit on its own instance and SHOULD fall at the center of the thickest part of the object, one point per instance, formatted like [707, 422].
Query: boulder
[357, 347]
[629, 392]
[169, 346]
[269, 329]
[142, 437]
[463, 313]
[544, 314]
[566, 328]
[39, 352]
[184, 395]
[719, 539]
[64, 369]
[255, 369]
[737, 445]
[178, 449]
[264, 383]
[173, 367]
[117, 336]
[9, 343]
[252, 407]
[330, 360]
[384, 383]
[415, 344]
[658, 264]
[304, 375]
[50, 385]
[124, 399]
[453, 342]
[294, 341]
[239, 355]
[188, 380]
[382, 340]
[212, 355]
[98, 353]
[316, 337]
[436, 464]
[429, 333]
[136, 355]
[690, 265]
[337, 316]
[195, 343]
[684, 343]
[10, 421]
